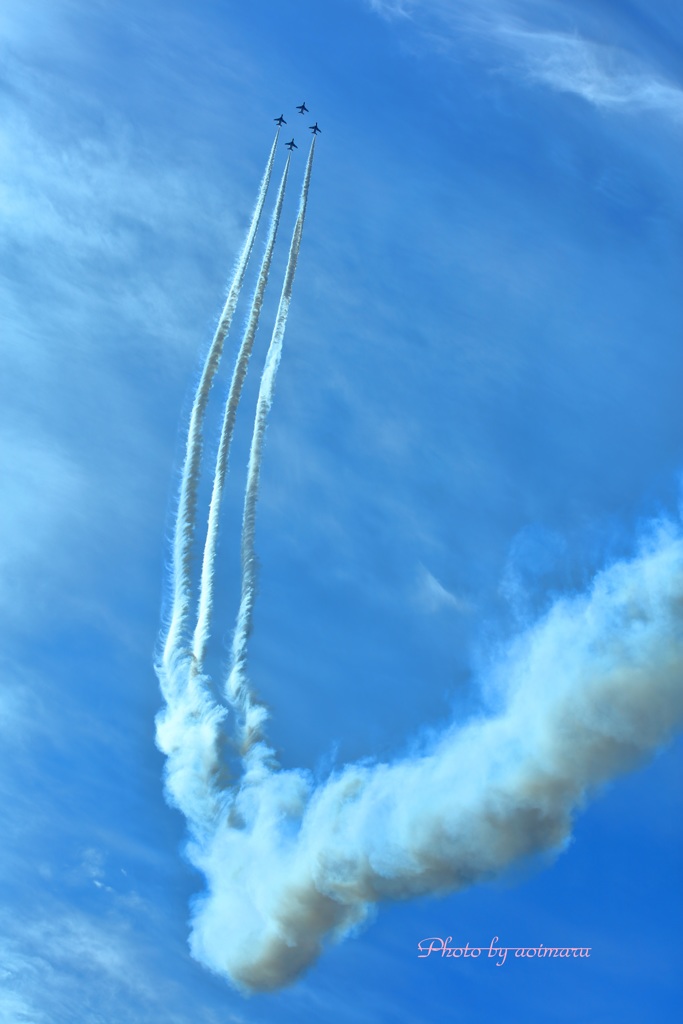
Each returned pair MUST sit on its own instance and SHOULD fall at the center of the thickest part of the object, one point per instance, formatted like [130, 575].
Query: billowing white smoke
[591, 689]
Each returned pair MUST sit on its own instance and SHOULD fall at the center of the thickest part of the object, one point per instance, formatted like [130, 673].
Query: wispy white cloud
[392, 8]
[67, 964]
[81, 208]
[16, 1007]
[42, 488]
[523, 33]
[84, 203]
[432, 596]
[605, 76]
[46, 962]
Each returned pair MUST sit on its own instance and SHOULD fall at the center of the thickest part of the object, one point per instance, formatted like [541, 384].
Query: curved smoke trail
[593, 688]
[187, 502]
[238, 692]
[201, 634]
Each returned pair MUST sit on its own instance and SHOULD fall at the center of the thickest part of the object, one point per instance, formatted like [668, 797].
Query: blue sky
[476, 412]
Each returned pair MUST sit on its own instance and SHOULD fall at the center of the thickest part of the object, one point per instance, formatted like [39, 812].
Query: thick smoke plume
[593, 688]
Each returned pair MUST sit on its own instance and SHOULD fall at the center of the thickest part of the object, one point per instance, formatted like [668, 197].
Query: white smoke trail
[188, 729]
[238, 692]
[593, 688]
[201, 634]
[187, 502]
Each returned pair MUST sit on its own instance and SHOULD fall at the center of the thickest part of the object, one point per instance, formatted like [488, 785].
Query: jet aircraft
[291, 145]
[279, 120]
[314, 128]
[302, 108]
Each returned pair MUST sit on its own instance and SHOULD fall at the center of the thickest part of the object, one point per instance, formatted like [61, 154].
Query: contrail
[592, 689]
[238, 691]
[187, 502]
[201, 634]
